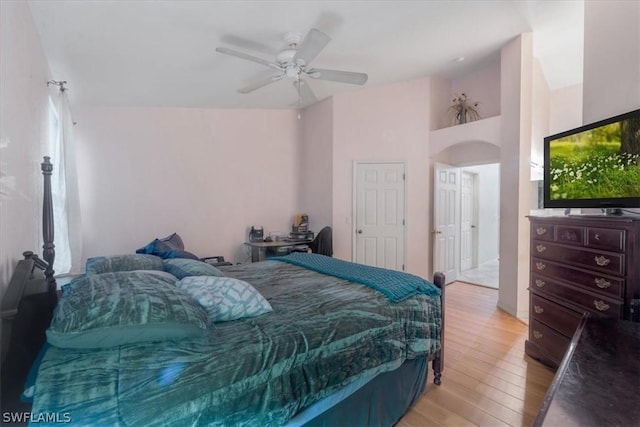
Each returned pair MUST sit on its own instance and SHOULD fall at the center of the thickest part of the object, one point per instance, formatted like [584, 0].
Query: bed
[298, 340]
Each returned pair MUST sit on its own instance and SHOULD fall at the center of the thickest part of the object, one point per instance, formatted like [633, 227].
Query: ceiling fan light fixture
[292, 72]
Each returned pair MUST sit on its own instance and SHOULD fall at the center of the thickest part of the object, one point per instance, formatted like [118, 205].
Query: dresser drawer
[542, 231]
[607, 262]
[555, 316]
[606, 238]
[598, 283]
[570, 235]
[552, 343]
[576, 297]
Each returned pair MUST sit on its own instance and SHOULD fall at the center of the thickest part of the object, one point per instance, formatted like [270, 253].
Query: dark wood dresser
[579, 264]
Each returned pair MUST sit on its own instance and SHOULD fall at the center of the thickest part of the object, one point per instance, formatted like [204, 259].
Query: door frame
[451, 275]
[474, 217]
[354, 209]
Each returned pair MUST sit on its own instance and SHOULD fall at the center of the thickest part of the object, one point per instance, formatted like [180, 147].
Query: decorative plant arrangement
[463, 109]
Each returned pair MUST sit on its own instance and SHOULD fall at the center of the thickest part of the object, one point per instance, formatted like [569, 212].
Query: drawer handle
[541, 248]
[538, 309]
[540, 283]
[601, 305]
[602, 283]
[569, 235]
[597, 236]
[537, 334]
[602, 260]
[541, 231]
[541, 265]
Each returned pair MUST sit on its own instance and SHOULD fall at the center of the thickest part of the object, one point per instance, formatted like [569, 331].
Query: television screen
[594, 166]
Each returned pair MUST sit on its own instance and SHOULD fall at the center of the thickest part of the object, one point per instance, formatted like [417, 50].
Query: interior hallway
[486, 274]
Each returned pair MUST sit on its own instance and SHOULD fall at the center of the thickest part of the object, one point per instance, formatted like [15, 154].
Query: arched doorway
[471, 250]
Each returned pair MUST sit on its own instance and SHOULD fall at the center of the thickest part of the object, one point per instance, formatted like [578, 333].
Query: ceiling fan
[293, 63]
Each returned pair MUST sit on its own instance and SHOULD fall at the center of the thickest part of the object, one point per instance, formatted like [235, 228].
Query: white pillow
[225, 298]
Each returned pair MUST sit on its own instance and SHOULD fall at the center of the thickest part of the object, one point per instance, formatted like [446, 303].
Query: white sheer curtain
[64, 188]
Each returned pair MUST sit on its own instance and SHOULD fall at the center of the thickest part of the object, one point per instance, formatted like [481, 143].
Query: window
[62, 261]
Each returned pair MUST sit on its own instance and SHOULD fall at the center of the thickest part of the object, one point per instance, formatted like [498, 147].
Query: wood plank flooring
[487, 379]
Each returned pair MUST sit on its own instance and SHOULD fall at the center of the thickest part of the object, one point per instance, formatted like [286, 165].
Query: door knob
[437, 232]
[359, 231]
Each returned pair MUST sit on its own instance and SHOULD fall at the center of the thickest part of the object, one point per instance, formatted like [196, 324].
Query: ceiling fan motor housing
[285, 57]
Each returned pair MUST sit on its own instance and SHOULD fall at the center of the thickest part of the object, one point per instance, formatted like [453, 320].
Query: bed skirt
[380, 402]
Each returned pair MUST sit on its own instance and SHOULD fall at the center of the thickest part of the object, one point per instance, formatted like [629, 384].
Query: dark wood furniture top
[598, 382]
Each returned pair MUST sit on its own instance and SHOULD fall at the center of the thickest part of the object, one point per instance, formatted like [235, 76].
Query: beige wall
[206, 174]
[515, 188]
[565, 109]
[23, 134]
[315, 193]
[611, 58]
[377, 124]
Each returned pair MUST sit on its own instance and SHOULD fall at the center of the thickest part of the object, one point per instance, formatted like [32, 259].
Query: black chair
[323, 243]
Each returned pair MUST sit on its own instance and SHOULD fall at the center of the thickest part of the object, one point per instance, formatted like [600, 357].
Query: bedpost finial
[47, 166]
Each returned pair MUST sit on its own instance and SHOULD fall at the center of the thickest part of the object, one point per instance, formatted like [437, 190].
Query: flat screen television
[594, 166]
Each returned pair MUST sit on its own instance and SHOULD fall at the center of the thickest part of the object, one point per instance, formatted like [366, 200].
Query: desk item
[598, 381]
[216, 261]
[275, 236]
[300, 224]
[260, 250]
[303, 235]
[256, 234]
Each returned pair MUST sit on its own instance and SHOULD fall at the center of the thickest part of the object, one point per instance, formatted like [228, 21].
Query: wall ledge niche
[485, 130]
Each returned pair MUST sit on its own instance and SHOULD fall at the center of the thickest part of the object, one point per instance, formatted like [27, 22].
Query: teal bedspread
[395, 285]
[322, 335]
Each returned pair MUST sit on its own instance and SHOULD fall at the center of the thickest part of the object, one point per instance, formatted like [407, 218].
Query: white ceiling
[162, 53]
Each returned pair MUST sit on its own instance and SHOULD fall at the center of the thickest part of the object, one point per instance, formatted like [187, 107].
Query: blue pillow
[127, 262]
[112, 309]
[183, 267]
[168, 247]
[169, 243]
[177, 253]
[225, 298]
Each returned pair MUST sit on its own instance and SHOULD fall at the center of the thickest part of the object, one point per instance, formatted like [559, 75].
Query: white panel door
[468, 215]
[379, 214]
[446, 220]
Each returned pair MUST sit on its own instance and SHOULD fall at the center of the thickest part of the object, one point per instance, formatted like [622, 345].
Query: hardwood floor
[487, 379]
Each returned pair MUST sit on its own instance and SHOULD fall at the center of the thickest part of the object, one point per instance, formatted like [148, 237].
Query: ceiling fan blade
[307, 97]
[248, 57]
[338, 76]
[260, 83]
[311, 46]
